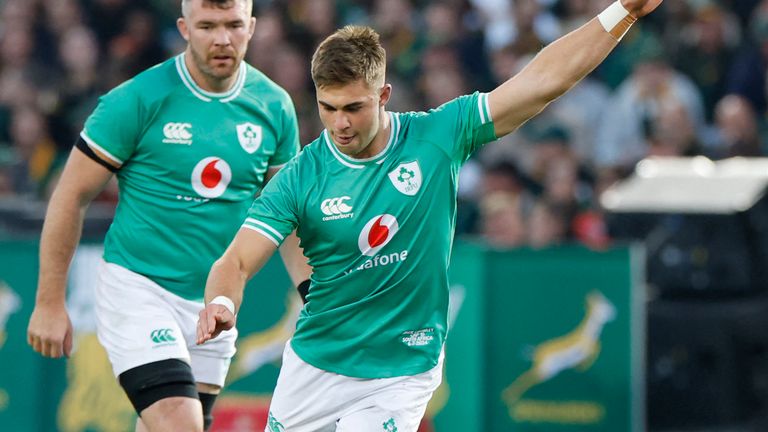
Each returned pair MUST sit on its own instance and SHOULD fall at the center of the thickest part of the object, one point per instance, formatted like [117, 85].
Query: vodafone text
[381, 260]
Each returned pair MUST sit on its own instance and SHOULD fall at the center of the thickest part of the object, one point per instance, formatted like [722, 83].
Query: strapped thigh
[149, 383]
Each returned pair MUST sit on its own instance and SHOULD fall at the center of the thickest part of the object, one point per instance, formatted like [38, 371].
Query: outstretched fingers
[213, 320]
[205, 324]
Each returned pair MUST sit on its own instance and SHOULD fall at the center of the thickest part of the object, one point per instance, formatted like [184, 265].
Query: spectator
[36, 151]
[748, 71]
[708, 45]
[638, 101]
[737, 128]
[502, 222]
[397, 23]
[62, 15]
[671, 133]
[690, 80]
[547, 225]
[80, 84]
[136, 46]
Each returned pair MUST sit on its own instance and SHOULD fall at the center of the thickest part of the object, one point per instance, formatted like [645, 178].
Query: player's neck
[380, 140]
[207, 82]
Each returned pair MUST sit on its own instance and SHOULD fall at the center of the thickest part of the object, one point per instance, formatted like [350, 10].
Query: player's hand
[640, 8]
[213, 320]
[50, 331]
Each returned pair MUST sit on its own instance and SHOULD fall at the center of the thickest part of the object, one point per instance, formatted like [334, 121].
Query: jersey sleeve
[288, 142]
[274, 213]
[467, 120]
[114, 126]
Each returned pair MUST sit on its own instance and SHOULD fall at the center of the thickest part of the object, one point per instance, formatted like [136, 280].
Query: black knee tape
[147, 384]
[207, 400]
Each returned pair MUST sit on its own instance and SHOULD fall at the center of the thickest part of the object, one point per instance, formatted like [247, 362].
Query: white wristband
[616, 20]
[224, 301]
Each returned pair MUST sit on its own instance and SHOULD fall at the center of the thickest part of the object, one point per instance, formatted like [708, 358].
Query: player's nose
[221, 36]
[340, 122]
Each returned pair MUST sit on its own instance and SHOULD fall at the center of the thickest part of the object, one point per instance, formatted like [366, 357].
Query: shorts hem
[210, 370]
[146, 361]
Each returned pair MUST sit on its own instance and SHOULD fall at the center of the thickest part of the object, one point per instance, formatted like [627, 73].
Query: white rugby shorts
[308, 399]
[139, 322]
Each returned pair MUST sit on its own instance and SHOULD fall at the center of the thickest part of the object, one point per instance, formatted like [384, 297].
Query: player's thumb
[224, 321]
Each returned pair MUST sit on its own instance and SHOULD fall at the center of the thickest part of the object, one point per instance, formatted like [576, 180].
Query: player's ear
[251, 27]
[384, 94]
[181, 24]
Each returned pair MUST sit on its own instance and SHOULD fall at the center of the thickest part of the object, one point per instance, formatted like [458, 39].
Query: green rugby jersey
[378, 233]
[192, 163]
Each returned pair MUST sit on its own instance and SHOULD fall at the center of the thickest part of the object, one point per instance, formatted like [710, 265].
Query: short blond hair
[350, 54]
[223, 4]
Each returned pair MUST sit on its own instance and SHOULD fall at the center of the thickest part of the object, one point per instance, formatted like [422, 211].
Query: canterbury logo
[177, 133]
[162, 335]
[274, 425]
[335, 206]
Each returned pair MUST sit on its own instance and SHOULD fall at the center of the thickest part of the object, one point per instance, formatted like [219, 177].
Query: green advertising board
[564, 332]
[539, 341]
[23, 379]
[458, 402]
[80, 394]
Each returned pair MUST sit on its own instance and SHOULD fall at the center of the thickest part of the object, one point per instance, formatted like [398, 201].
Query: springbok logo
[577, 349]
[9, 304]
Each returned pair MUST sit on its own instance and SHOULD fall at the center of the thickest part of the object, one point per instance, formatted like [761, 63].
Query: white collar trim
[204, 95]
[360, 163]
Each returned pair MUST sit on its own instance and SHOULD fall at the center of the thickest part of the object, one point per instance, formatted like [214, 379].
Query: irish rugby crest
[406, 178]
[249, 136]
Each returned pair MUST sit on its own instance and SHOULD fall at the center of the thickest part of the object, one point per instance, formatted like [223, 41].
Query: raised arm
[245, 256]
[562, 64]
[50, 330]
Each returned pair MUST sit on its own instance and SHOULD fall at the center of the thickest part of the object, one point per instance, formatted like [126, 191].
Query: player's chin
[224, 69]
[348, 149]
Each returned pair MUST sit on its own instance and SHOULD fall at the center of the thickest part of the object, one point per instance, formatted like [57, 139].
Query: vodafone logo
[211, 177]
[377, 233]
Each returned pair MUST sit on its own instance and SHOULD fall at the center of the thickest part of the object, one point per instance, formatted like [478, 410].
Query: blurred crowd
[688, 80]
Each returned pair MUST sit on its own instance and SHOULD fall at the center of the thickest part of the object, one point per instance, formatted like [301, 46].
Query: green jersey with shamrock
[192, 163]
[378, 233]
